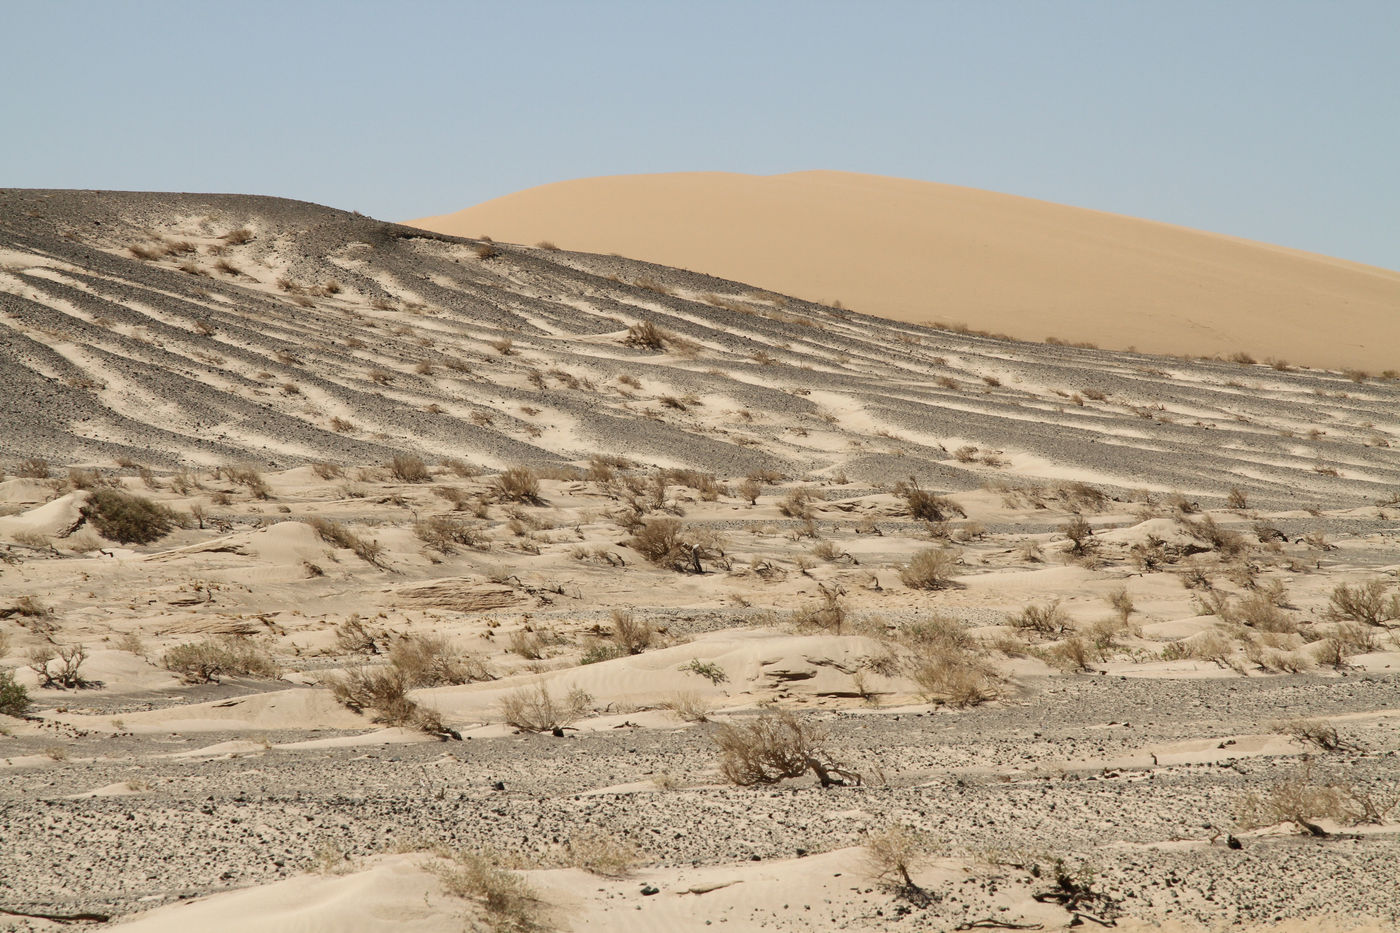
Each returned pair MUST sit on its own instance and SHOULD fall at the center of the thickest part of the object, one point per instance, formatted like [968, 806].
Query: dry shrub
[827, 613]
[510, 905]
[689, 706]
[249, 477]
[327, 470]
[1297, 799]
[538, 711]
[385, 692]
[337, 535]
[1121, 602]
[208, 661]
[1049, 619]
[669, 543]
[646, 336]
[602, 853]
[947, 665]
[407, 468]
[749, 491]
[486, 251]
[445, 534]
[517, 484]
[927, 506]
[798, 502]
[354, 637]
[1258, 611]
[930, 569]
[773, 746]
[67, 661]
[128, 519]
[630, 633]
[1364, 603]
[33, 468]
[1315, 732]
[432, 661]
[1072, 653]
[238, 237]
[1081, 536]
[79, 478]
[894, 852]
[1227, 543]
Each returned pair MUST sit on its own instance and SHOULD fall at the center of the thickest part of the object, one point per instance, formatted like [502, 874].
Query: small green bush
[128, 519]
[14, 698]
[207, 661]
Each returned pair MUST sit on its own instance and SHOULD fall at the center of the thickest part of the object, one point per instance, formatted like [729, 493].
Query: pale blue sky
[1276, 121]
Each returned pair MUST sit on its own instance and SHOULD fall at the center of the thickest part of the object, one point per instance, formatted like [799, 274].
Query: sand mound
[918, 251]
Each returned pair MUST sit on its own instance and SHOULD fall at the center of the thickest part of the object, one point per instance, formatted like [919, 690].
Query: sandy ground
[918, 251]
[1173, 724]
[1127, 763]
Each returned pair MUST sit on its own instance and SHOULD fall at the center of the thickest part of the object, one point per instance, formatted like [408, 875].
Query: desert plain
[362, 577]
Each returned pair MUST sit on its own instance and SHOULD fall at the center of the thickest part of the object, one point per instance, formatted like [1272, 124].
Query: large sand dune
[917, 251]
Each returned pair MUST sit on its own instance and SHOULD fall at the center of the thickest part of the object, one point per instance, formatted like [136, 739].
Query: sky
[1275, 121]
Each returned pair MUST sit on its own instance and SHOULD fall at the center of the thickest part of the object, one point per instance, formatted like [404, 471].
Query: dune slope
[919, 252]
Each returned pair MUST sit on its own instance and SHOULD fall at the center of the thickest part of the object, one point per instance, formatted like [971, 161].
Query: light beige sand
[918, 251]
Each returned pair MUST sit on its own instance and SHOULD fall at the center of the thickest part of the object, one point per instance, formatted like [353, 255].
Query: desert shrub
[538, 711]
[1236, 499]
[66, 670]
[895, 851]
[1081, 536]
[486, 251]
[384, 692]
[930, 569]
[354, 637]
[79, 478]
[248, 477]
[445, 534]
[706, 669]
[646, 336]
[407, 468]
[238, 237]
[669, 543]
[33, 468]
[827, 613]
[26, 607]
[1049, 619]
[337, 535]
[631, 633]
[14, 698]
[927, 506]
[128, 519]
[431, 661]
[509, 903]
[208, 661]
[749, 490]
[689, 706]
[773, 746]
[798, 502]
[1297, 799]
[1258, 611]
[1072, 653]
[1226, 543]
[602, 853]
[517, 484]
[1315, 732]
[1364, 603]
[1121, 602]
[946, 664]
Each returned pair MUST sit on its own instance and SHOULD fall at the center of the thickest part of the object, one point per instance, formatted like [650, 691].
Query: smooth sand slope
[918, 251]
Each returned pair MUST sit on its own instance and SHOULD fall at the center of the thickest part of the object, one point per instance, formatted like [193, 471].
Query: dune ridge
[920, 252]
